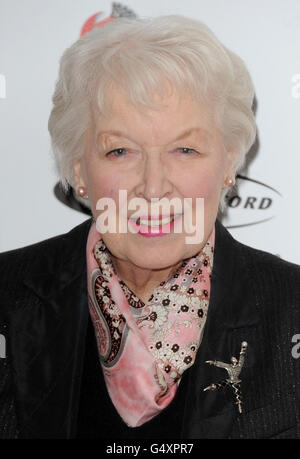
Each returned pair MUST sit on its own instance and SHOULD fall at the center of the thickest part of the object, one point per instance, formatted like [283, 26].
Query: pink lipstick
[148, 226]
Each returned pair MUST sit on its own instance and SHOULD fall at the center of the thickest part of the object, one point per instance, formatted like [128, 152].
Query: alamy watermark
[2, 347]
[295, 91]
[2, 87]
[164, 216]
[296, 347]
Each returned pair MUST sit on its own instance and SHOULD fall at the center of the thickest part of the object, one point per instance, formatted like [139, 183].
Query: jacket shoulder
[274, 283]
[30, 252]
[249, 258]
[48, 256]
[268, 262]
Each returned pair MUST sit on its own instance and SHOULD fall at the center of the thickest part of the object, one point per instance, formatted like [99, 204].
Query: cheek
[104, 184]
[204, 185]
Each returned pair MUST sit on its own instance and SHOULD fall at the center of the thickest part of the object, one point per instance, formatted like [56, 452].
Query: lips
[154, 226]
[155, 221]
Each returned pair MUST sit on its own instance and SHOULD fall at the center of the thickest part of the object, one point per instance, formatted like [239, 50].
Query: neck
[141, 281]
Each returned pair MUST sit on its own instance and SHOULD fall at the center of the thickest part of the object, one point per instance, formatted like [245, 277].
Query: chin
[156, 265]
[156, 259]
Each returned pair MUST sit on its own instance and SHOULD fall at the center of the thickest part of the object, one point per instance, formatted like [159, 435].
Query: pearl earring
[81, 191]
[230, 182]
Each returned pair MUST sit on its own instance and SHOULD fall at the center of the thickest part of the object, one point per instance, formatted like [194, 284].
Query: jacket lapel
[232, 318]
[48, 343]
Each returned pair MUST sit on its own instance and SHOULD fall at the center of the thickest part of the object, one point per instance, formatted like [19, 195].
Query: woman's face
[174, 151]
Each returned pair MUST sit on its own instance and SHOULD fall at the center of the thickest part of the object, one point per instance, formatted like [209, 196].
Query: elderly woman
[149, 320]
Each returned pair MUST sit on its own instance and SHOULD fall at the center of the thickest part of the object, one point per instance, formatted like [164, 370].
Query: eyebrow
[184, 134]
[115, 133]
[190, 131]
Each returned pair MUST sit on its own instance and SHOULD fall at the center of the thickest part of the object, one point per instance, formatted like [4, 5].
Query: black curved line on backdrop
[259, 183]
[69, 199]
[249, 224]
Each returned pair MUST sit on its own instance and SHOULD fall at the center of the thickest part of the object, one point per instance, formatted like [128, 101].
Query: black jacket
[44, 317]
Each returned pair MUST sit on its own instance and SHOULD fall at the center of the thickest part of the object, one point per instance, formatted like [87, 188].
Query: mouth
[154, 222]
[154, 226]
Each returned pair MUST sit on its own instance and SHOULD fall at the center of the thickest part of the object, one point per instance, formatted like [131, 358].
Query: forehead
[167, 118]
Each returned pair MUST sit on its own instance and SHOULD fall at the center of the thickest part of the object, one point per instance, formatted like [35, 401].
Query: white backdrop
[265, 33]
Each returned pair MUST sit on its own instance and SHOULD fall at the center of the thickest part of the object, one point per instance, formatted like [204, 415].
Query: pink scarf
[145, 348]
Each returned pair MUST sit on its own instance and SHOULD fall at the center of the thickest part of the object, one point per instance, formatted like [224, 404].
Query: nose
[154, 179]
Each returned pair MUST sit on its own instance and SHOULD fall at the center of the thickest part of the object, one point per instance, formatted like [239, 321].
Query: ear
[231, 161]
[78, 174]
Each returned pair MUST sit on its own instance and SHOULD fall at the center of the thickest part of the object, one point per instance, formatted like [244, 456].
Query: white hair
[136, 55]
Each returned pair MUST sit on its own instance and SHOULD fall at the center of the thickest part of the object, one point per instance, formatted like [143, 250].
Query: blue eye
[117, 152]
[187, 151]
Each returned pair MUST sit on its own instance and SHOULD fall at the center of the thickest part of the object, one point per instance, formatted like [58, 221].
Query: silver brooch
[233, 369]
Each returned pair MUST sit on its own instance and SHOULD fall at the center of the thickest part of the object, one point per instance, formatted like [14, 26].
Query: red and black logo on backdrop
[99, 19]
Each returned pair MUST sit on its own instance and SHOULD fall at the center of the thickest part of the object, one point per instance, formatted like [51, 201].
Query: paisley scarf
[144, 348]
